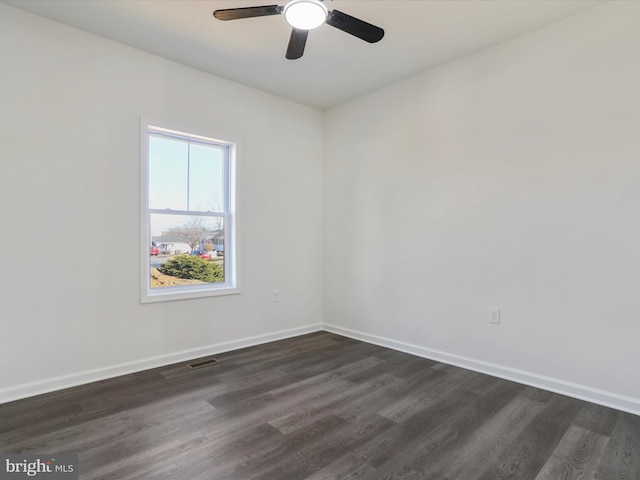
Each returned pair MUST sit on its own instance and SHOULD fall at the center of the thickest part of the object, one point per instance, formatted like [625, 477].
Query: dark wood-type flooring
[322, 407]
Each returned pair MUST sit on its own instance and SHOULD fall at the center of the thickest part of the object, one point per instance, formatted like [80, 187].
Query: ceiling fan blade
[296, 43]
[355, 26]
[247, 12]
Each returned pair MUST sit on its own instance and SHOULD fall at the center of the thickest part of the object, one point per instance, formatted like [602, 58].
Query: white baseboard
[593, 395]
[66, 381]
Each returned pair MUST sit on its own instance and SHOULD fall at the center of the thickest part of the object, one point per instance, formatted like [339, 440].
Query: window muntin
[189, 212]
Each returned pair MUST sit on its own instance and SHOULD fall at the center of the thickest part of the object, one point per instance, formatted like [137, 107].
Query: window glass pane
[187, 214]
[168, 167]
[186, 250]
[205, 179]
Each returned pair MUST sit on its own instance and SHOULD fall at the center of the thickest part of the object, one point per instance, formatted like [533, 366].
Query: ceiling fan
[305, 15]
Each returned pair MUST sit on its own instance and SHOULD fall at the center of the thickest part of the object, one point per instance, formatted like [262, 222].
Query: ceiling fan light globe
[305, 14]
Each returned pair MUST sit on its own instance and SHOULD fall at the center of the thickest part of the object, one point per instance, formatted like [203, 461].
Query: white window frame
[231, 284]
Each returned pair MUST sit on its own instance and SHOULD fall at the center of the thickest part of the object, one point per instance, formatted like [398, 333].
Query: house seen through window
[190, 216]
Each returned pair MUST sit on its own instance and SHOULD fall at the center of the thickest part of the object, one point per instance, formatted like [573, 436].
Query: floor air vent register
[202, 363]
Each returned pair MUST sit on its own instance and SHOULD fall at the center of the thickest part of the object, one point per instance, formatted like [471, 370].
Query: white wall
[509, 178]
[70, 107]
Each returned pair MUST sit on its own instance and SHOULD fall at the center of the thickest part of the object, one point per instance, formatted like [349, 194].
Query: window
[188, 216]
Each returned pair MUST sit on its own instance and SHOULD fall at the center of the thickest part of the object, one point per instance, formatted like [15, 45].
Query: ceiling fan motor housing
[305, 14]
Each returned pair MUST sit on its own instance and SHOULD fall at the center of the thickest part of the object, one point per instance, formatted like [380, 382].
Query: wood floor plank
[441, 387]
[425, 427]
[235, 420]
[451, 436]
[327, 450]
[380, 400]
[531, 449]
[323, 407]
[621, 459]
[330, 359]
[254, 385]
[399, 364]
[487, 441]
[145, 424]
[294, 445]
[313, 410]
[597, 419]
[347, 467]
[205, 454]
[576, 456]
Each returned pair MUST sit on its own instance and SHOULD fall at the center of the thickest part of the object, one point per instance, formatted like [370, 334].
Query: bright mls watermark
[51, 467]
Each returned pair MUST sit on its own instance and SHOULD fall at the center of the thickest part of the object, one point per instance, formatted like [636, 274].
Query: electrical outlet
[494, 315]
[275, 297]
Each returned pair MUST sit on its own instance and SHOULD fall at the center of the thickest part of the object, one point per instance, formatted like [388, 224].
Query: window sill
[169, 294]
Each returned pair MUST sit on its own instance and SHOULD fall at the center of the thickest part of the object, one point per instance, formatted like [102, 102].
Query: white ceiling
[420, 34]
